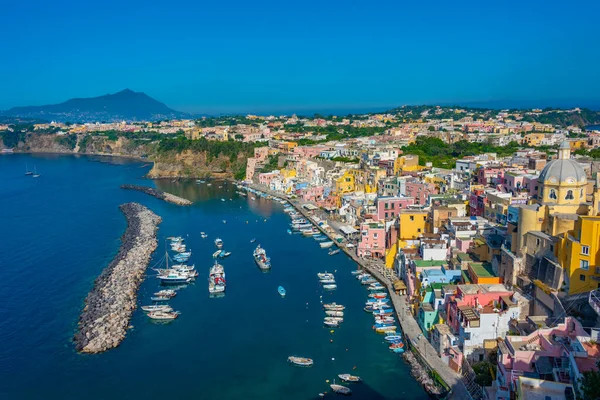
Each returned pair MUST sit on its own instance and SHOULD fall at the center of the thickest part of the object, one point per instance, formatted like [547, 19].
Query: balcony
[594, 300]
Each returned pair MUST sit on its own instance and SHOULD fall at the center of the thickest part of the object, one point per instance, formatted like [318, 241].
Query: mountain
[124, 105]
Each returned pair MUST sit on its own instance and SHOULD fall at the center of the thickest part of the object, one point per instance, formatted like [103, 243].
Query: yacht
[216, 279]
[219, 243]
[261, 259]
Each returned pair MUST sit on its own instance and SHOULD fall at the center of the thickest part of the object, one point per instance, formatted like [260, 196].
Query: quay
[424, 353]
[108, 307]
[159, 194]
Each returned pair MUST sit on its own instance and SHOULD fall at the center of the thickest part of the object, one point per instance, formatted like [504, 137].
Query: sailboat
[27, 171]
[35, 174]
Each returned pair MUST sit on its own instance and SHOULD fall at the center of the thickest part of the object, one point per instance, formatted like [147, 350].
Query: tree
[590, 384]
[431, 128]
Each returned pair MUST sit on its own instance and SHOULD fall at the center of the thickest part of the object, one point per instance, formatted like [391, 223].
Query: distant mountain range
[124, 105]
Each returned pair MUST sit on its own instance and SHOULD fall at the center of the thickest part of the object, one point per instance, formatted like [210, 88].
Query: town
[487, 221]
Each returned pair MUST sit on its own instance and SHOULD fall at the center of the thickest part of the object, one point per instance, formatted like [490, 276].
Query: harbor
[159, 194]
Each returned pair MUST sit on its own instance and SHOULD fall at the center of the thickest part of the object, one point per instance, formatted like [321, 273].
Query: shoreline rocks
[421, 375]
[109, 305]
[159, 194]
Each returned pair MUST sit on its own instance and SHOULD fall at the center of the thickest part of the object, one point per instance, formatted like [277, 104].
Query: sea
[59, 231]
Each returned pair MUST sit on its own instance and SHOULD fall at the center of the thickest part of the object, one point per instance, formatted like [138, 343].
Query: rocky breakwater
[108, 307]
[159, 194]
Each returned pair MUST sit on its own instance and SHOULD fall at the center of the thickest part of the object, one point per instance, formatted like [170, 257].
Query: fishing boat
[386, 329]
[326, 245]
[166, 293]
[179, 248]
[281, 291]
[330, 287]
[385, 320]
[334, 313]
[217, 253]
[216, 279]
[27, 170]
[333, 252]
[384, 311]
[203, 235]
[261, 259]
[172, 276]
[339, 389]
[219, 243]
[183, 254]
[185, 268]
[301, 361]
[349, 378]
[163, 315]
[157, 307]
[376, 286]
[334, 306]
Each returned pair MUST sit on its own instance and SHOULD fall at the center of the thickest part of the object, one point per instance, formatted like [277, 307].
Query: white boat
[333, 252]
[35, 174]
[216, 253]
[301, 361]
[261, 259]
[219, 243]
[357, 272]
[166, 293]
[327, 281]
[203, 235]
[184, 268]
[171, 276]
[163, 315]
[331, 324]
[325, 275]
[156, 307]
[225, 254]
[339, 389]
[216, 279]
[176, 239]
[326, 245]
[334, 306]
[334, 313]
[349, 378]
[334, 319]
[330, 287]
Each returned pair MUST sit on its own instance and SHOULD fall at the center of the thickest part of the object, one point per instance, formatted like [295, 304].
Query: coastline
[420, 364]
[70, 153]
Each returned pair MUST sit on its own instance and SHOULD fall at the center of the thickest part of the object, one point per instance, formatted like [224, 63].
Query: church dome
[563, 169]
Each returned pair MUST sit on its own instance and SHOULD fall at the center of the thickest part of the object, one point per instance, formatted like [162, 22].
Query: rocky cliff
[193, 164]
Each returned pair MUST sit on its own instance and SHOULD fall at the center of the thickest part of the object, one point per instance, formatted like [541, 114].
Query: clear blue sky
[228, 56]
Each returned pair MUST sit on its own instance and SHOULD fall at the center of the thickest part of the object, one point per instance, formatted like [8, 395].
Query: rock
[159, 194]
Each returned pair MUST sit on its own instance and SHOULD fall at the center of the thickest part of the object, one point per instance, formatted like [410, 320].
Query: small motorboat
[203, 235]
[217, 253]
[334, 313]
[224, 254]
[166, 293]
[327, 281]
[397, 345]
[281, 291]
[326, 245]
[219, 243]
[392, 338]
[378, 295]
[333, 252]
[160, 298]
[253, 240]
[399, 350]
[330, 287]
[349, 378]
[334, 307]
[378, 301]
[368, 309]
[357, 272]
[301, 361]
[224, 221]
[339, 389]
[332, 324]
[289, 231]
[163, 315]
[222, 199]
[339, 320]
[157, 307]
[325, 275]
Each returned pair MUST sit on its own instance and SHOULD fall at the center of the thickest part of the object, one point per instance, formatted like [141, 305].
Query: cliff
[193, 164]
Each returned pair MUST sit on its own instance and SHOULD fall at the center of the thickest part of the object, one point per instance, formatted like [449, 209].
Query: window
[585, 250]
[584, 265]
[569, 195]
[552, 194]
[386, 215]
[375, 235]
[582, 278]
[425, 218]
[537, 242]
[418, 229]
[581, 193]
[386, 205]
[412, 218]
[536, 188]
[392, 206]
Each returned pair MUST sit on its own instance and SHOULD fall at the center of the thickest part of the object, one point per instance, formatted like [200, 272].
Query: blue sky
[260, 56]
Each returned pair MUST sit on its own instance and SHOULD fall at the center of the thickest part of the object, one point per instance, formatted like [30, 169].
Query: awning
[309, 206]
[399, 285]
[347, 230]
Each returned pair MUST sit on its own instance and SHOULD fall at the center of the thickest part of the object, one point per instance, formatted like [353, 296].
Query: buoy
[331, 331]
[327, 381]
[330, 340]
[354, 367]
[332, 358]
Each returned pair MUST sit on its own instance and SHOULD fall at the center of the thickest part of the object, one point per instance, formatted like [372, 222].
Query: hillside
[124, 105]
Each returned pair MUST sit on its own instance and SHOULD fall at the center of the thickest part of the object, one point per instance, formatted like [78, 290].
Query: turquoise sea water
[59, 231]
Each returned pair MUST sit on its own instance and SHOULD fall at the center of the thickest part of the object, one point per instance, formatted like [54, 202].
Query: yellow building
[534, 139]
[577, 144]
[413, 224]
[407, 162]
[580, 251]
[287, 173]
[345, 183]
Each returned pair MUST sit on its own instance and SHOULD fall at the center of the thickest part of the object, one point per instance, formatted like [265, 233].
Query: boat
[281, 291]
[392, 338]
[334, 319]
[219, 243]
[172, 276]
[339, 389]
[301, 361]
[379, 295]
[289, 231]
[368, 281]
[333, 252]
[157, 307]
[356, 272]
[376, 286]
[334, 313]
[253, 240]
[160, 298]
[378, 301]
[203, 235]
[261, 259]
[35, 174]
[331, 324]
[224, 254]
[325, 275]
[183, 254]
[330, 287]
[216, 279]
[163, 315]
[326, 245]
[224, 221]
[320, 239]
[383, 311]
[216, 253]
[222, 199]
[166, 293]
[327, 281]
[185, 268]
[334, 306]
[386, 329]
[176, 239]
[349, 378]
[397, 345]
[27, 171]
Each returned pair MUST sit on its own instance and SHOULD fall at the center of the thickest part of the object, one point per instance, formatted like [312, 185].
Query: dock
[159, 194]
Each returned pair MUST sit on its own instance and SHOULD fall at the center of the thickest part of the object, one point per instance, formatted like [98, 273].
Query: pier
[108, 307]
[425, 356]
[159, 194]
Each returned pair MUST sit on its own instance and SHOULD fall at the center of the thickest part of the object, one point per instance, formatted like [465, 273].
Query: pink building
[463, 244]
[309, 151]
[513, 183]
[372, 240]
[261, 153]
[312, 193]
[420, 191]
[388, 207]
[266, 177]
[488, 176]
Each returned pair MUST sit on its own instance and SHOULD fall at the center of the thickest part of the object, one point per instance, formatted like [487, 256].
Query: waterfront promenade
[410, 329]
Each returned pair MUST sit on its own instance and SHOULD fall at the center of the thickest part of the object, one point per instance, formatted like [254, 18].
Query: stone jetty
[108, 307]
[159, 194]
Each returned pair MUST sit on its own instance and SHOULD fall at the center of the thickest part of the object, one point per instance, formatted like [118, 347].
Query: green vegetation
[346, 159]
[68, 141]
[443, 155]
[12, 139]
[590, 384]
[483, 371]
[593, 153]
[271, 164]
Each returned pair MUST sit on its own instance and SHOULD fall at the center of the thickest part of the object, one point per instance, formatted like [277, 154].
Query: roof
[482, 270]
[399, 285]
[429, 263]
